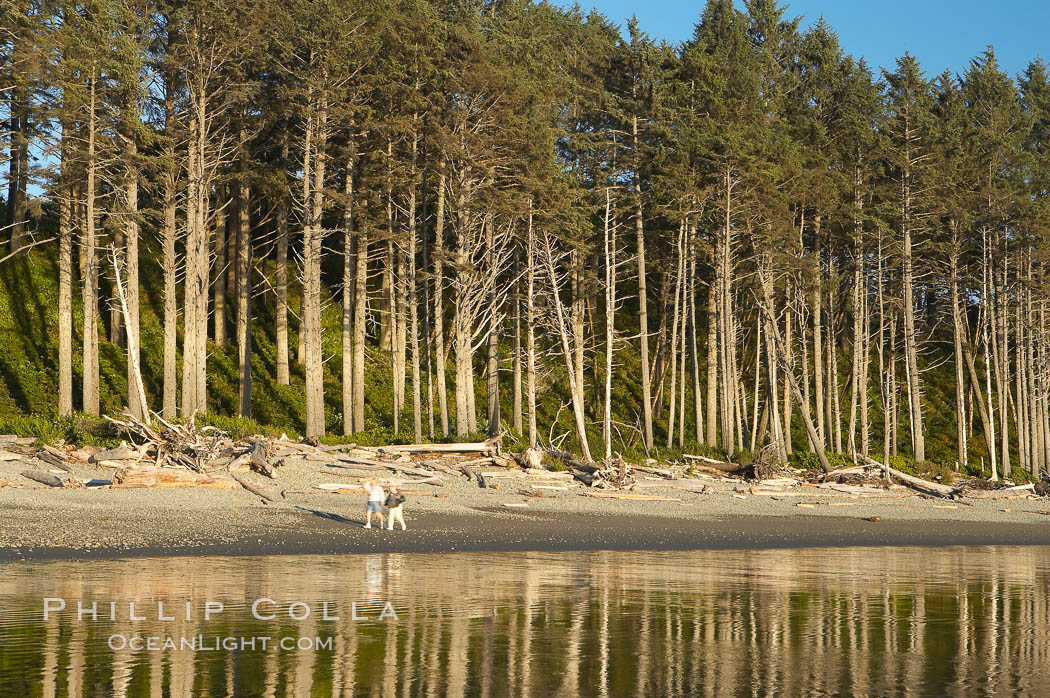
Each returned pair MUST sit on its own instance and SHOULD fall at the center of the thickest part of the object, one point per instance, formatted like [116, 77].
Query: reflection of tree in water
[869, 621]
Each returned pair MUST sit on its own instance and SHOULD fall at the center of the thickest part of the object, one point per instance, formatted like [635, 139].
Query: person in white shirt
[395, 502]
[375, 503]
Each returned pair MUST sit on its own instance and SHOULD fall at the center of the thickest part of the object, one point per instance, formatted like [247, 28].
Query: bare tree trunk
[219, 244]
[834, 406]
[910, 340]
[1001, 339]
[987, 317]
[440, 361]
[116, 325]
[530, 327]
[313, 238]
[777, 344]
[90, 264]
[123, 299]
[360, 319]
[428, 337]
[244, 290]
[400, 348]
[883, 377]
[713, 323]
[169, 403]
[195, 276]
[673, 348]
[137, 403]
[516, 394]
[818, 351]
[857, 382]
[413, 314]
[65, 279]
[609, 241]
[281, 272]
[724, 275]
[789, 353]
[957, 337]
[755, 433]
[681, 361]
[865, 367]
[347, 350]
[698, 406]
[1034, 420]
[643, 313]
[564, 333]
[578, 317]
[492, 369]
[461, 330]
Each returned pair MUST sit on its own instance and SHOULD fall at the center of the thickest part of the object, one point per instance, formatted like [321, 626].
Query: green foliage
[808, 460]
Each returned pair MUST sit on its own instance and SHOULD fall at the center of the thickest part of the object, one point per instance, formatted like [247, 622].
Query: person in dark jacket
[395, 502]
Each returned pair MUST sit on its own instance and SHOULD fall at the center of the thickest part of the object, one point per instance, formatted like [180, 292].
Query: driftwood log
[263, 492]
[935, 489]
[43, 478]
[481, 447]
[168, 477]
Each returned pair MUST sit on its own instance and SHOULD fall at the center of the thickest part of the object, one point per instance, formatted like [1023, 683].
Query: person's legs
[398, 514]
[370, 508]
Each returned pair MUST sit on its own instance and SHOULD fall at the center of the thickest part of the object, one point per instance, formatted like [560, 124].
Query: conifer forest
[439, 219]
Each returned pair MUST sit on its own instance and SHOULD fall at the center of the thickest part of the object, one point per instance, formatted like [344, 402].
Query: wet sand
[305, 529]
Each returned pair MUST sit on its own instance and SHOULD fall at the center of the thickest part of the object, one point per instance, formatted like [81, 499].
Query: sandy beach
[454, 514]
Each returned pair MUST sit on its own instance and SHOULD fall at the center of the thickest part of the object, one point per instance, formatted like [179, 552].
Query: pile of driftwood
[164, 454]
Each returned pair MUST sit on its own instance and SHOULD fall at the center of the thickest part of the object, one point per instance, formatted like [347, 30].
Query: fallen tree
[934, 489]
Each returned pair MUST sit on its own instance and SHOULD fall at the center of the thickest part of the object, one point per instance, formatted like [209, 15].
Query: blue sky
[940, 33]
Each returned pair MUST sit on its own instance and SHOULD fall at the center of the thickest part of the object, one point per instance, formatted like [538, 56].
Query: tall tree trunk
[440, 360]
[461, 329]
[169, 402]
[244, 286]
[492, 369]
[413, 314]
[281, 270]
[360, 319]
[818, 352]
[957, 339]
[136, 404]
[530, 329]
[698, 404]
[986, 310]
[777, 344]
[219, 244]
[347, 352]
[564, 333]
[65, 277]
[313, 248]
[713, 322]
[643, 312]
[609, 242]
[910, 339]
[90, 264]
[116, 326]
[517, 420]
[678, 288]
[727, 330]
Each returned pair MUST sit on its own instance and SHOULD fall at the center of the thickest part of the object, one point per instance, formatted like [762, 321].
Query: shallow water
[861, 621]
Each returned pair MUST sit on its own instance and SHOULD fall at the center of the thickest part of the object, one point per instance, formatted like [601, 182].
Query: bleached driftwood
[168, 477]
[935, 489]
[43, 478]
[256, 489]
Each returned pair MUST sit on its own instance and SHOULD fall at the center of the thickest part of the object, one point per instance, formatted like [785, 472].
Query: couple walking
[377, 498]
